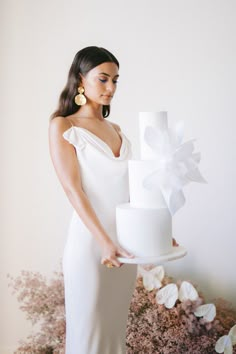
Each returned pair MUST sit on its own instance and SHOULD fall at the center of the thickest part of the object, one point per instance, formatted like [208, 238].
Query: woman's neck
[89, 112]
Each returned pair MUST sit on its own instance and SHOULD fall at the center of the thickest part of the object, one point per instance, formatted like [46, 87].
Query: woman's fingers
[174, 242]
[110, 262]
[115, 262]
[122, 252]
[110, 257]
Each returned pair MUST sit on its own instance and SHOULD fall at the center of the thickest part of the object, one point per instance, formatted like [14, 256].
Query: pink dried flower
[154, 329]
[151, 328]
[43, 303]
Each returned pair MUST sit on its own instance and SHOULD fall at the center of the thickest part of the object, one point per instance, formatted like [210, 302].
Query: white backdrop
[175, 55]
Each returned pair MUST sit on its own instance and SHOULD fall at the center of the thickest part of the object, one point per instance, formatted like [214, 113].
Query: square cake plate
[176, 253]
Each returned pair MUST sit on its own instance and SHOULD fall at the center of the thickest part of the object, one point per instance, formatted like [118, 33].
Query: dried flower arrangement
[152, 328]
[43, 302]
[173, 325]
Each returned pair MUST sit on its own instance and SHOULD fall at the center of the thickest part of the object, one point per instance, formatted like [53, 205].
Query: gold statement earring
[80, 99]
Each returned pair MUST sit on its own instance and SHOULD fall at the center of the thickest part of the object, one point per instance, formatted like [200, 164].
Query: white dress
[97, 298]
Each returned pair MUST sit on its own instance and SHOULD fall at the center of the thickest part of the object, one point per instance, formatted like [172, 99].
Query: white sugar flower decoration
[152, 278]
[176, 164]
[225, 343]
[169, 294]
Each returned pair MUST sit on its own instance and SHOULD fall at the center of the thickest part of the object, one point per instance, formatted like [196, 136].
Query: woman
[90, 157]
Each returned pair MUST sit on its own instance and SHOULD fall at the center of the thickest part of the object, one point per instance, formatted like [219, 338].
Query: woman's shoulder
[59, 124]
[116, 126]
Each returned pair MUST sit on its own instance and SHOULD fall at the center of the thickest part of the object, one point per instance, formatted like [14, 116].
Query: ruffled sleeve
[73, 137]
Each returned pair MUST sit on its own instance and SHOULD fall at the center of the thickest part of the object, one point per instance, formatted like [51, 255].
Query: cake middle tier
[145, 232]
[139, 195]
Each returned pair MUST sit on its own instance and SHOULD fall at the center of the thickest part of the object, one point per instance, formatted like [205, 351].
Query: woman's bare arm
[66, 164]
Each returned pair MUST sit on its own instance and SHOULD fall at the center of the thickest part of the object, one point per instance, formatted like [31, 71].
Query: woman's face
[100, 83]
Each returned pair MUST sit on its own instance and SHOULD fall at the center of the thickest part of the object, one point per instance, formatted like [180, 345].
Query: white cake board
[176, 253]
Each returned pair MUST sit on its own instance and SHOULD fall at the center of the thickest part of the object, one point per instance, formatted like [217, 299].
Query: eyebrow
[107, 74]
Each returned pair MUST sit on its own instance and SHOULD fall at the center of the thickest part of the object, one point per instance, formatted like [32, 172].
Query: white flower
[152, 278]
[169, 294]
[207, 311]
[225, 343]
[187, 292]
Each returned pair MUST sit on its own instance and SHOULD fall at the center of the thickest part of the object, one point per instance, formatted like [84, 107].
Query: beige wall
[175, 55]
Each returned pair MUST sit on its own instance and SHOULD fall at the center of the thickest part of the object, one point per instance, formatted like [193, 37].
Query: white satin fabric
[97, 298]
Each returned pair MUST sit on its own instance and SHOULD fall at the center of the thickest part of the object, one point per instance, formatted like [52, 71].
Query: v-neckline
[102, 141]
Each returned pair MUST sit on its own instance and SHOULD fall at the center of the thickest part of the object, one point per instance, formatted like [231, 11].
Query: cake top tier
[153, 119]
[156, 120]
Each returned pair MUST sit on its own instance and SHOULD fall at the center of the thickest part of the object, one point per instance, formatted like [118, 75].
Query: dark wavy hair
[85, 60]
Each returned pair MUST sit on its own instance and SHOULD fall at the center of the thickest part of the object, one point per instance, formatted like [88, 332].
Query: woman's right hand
[110, 252]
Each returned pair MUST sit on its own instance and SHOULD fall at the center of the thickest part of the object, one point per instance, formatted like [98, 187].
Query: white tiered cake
[144, 226]
[167, 164]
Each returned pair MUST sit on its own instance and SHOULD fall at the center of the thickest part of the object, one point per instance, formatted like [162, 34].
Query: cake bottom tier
[143, 231]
